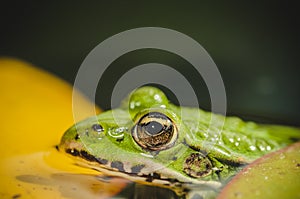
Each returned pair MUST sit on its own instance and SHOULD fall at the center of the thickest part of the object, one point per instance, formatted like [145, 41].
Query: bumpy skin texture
[149, 139]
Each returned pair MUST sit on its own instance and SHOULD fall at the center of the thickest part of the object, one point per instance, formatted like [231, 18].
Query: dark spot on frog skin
[137, 168]
[207, 166]
[218, 172]
[117, 165]
[76, 136]
[174, 158]
[120, 139]
[298, 165]
[173, 180]
[73, 152]
[16, 196]
[101, 161]
[152, 176]
[87, 156]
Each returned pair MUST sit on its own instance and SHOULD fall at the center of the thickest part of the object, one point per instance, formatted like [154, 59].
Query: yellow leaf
[36, 109]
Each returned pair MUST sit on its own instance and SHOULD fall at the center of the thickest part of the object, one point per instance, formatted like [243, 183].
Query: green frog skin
[150, 140]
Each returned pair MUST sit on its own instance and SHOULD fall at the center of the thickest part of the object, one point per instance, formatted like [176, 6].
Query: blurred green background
[255, 45]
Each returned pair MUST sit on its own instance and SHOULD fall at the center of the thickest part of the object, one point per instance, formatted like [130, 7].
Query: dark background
[255, 45]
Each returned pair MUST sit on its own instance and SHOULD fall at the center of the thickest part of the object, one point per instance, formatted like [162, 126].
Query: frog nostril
[97, 128]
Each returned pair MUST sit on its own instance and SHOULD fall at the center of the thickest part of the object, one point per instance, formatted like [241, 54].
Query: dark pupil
[153, 127]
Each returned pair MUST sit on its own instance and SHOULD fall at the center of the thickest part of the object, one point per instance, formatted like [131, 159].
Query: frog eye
[155, 131]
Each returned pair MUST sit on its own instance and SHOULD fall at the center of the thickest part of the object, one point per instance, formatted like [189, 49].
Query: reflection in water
[77, 186]
[137, 191]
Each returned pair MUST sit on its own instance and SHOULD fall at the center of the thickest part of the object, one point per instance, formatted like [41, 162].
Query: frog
[150, 140]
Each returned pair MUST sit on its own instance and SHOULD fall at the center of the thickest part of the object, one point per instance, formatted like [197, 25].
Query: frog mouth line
[114, 165]
[116, 168]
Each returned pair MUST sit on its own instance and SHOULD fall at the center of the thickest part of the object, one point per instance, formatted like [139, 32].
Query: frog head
[144, 139]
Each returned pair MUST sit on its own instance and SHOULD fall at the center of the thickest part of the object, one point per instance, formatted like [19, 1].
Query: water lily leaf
[275, 175]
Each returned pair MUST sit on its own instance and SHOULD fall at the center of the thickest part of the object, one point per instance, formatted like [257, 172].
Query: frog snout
[70, 141]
